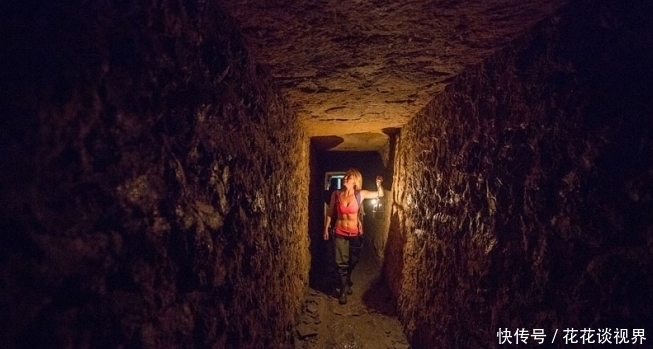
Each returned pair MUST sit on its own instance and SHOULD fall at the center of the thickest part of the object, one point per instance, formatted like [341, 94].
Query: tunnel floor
[368, 320]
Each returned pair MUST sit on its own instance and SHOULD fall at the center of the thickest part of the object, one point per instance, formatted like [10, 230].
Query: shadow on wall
[324, 143]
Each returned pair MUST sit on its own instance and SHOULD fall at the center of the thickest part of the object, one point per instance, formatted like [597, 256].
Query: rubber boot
[343, 290]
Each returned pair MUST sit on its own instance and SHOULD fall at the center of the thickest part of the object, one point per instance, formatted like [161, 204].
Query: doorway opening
[333, 180]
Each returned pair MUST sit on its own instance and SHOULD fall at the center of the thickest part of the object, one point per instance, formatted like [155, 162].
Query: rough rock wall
[523, 194]
[382, 224]
[147, 173]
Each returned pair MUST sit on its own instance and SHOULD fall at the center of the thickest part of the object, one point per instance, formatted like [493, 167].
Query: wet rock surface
[367, 321]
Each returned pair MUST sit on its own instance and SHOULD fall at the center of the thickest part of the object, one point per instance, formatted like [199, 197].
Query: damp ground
[367, 321]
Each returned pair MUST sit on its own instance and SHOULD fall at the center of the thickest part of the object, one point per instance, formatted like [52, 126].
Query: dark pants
[347, 253]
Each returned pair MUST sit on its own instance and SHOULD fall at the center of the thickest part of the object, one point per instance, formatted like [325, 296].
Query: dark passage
[323, 162]
[369, 318]
[163, 165]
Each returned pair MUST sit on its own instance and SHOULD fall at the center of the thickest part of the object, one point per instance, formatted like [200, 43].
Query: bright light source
[375, 201]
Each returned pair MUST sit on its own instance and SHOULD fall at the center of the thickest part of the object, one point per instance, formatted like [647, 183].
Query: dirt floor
[367, 321]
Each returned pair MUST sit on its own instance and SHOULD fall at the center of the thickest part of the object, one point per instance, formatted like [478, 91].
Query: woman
[348, 228]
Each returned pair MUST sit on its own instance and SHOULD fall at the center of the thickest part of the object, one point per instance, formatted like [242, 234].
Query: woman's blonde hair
[358, 178]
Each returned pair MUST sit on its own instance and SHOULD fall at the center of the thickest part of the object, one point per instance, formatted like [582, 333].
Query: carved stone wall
[523, 194]
[148, 171]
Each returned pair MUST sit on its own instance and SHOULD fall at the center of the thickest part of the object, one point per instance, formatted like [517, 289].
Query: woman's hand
[379, 188]
[325, 235]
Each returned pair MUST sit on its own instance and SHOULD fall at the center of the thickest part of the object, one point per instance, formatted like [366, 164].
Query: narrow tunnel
[161, 188]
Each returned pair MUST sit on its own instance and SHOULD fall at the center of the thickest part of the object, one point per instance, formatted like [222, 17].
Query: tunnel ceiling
[352, 68]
